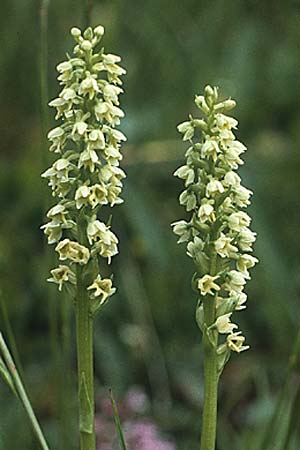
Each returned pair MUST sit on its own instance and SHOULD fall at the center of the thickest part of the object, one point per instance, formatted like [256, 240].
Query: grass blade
[117, 422]
[10, 366]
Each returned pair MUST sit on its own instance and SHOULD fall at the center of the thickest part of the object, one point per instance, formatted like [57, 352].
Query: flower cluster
[218, 236]
[86, 174]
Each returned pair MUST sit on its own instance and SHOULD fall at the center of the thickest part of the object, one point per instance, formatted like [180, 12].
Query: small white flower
[245, 239]
[242, 196]
[79, 130]
[223, 246]
[98, 195]
[53, 231]
[96, 139]
[111, 93]
[210, 148]
[195, 247]
[105, 240]
[58, 214]
[188, 199]
[235, 282]
[182, 229]
[88, 159]
[109, 112]
[206, 212]
[58, 138]
[214, 187]
[89, 86]
[227, 122]
[73, 251]
[238, 221]
[242, 298]
[235, 342]
[61, 275]
[187, 129]
[245, 262]
[232, 153]
[185, 173]
[232, 179]
[82, 196]
[224, 325]
[207, 284]
[102, 288]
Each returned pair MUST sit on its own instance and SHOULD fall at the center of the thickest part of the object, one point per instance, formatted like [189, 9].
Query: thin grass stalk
[22, 395]
[294, 360]
[294, 420]
[117, 422]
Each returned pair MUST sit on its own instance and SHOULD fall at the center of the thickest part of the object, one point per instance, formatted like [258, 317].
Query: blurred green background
[146, 335]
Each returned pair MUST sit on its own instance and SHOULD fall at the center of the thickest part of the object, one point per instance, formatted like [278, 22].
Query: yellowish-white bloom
[235, 281]
[217, 232]
[224, 325]
[102, 288]
[61, 275]
[186, 173]
[214, 187]
[82, 196]
[223, 246]
[207, 285]
[232, 179]
[73, 251]
[235, 342]
[210, 148]
[241, 300]
[87, 174]
[245, 239]
[238, 221]
[206, 213]
[246, 262]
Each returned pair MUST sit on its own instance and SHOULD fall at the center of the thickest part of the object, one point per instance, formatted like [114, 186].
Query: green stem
[84, 332]
[22, 394]
[211, 377]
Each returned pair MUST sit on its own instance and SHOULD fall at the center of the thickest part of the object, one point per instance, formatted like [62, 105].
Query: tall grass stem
[22, 394]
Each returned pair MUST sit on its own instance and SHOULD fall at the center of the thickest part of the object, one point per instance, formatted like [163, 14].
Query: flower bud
[99, 31]
[75, 32]
[86, 45]
[88, 34]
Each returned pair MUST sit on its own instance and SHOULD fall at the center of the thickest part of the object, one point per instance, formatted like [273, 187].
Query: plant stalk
[211, 377]
[84, 334]
[22, 395]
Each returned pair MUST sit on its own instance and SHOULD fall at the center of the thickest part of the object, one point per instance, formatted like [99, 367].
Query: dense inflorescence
[218, 236]
[86, 175]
